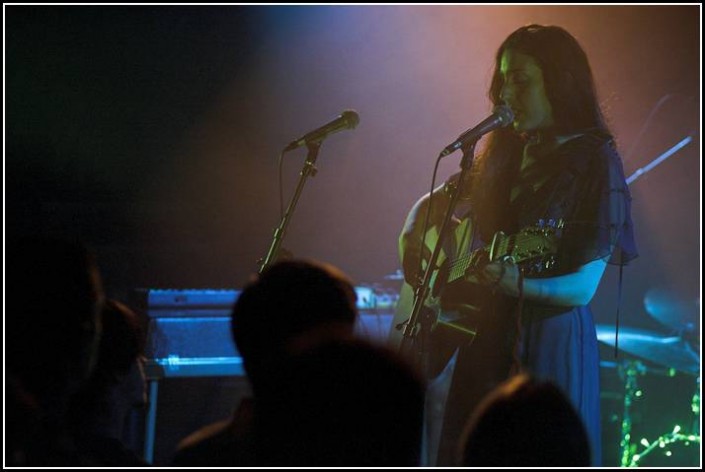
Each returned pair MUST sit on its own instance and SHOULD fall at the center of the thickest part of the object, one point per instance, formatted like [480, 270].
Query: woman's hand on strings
[502, 275]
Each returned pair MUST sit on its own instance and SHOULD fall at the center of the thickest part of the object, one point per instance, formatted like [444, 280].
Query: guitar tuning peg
[550, 262]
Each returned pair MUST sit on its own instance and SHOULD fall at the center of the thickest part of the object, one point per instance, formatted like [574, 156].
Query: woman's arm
[574, 289]
[411, 251]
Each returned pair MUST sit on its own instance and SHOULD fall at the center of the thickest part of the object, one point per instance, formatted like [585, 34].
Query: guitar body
[455, 304]
[452, 327]
[452, 321]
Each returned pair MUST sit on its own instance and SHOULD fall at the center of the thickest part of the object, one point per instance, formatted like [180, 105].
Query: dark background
[153, 132]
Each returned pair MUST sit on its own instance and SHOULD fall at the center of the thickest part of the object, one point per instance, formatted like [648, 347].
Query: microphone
[347, 120]
[501, 116]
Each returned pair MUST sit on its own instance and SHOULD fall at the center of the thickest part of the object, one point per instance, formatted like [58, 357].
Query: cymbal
[670, 351]
[673, 309]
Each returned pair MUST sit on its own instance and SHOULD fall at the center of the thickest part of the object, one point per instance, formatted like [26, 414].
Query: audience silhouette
[525, 422]
[53, 297]
[100, 410]
[292, 305]
[344, 403]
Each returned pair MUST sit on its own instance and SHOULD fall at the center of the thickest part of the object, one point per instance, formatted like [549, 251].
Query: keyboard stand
[174, 366]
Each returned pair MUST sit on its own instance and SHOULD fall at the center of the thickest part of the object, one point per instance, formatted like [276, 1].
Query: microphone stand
[418, 352]
[308, 169]
[675, 148]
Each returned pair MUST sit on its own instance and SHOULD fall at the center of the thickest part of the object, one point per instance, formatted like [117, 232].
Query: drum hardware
[675, 436]
[673, 352]
[629, 371]
[662, 443]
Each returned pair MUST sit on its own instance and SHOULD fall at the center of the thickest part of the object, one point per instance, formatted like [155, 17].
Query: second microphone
[349, 119]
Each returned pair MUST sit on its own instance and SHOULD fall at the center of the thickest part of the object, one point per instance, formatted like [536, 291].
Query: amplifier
[189, 336]
[189, 329]
[209, 301]
[186, 299]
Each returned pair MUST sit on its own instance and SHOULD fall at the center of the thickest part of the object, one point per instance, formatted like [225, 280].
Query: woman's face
[523, 90]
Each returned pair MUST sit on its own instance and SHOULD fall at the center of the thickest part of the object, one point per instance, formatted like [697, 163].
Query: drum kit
[665, 355]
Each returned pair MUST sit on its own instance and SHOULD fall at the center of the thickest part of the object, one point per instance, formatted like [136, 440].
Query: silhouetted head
[525, 423]
[290, 299]
[54, 296]
[342, 403]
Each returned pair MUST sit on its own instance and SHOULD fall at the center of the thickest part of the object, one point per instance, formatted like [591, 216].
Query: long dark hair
[570, 89]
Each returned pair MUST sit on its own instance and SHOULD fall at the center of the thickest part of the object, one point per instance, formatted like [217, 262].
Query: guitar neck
[521, 247]
[460, 266]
